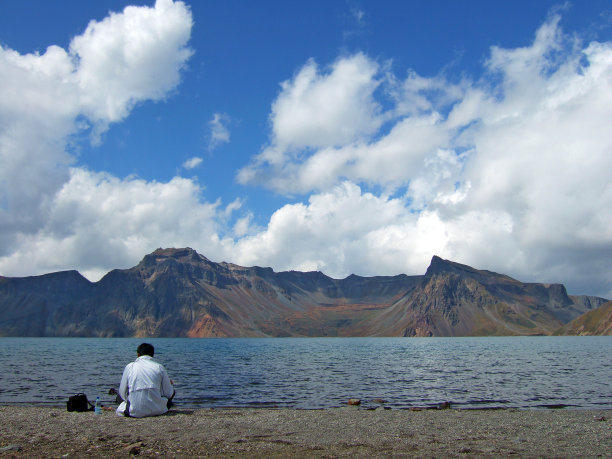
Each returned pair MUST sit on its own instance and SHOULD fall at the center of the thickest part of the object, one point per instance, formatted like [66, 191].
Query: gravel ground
[341, 432]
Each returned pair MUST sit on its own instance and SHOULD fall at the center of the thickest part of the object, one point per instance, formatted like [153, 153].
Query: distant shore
[29, 431]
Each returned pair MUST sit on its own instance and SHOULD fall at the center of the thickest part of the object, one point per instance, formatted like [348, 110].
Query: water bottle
[98, 406]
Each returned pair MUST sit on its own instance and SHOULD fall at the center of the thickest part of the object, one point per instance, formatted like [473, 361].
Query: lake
[314, 373]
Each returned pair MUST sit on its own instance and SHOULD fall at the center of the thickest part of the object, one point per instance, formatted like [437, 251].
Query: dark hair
[146, 349]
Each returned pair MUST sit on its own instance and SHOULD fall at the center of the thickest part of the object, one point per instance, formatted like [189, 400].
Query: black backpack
[79, 402]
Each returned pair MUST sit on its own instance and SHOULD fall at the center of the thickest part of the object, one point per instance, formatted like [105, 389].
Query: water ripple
[522, 372]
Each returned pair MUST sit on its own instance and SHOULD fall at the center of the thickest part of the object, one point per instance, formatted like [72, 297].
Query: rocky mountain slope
[595, 322]
[177, 292]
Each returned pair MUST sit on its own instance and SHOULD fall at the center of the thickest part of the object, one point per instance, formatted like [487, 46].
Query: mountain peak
[439, 265]
[175, 253]
[183, 255]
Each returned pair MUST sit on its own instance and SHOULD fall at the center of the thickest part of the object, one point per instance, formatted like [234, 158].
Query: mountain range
[180, 293]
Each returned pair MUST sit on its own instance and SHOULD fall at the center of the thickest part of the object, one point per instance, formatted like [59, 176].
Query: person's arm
[167, 390]
[123, 387]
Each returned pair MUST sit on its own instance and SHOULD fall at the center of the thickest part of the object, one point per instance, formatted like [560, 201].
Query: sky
[343, 136]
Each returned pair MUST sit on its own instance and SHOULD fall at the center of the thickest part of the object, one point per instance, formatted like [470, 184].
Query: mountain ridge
[178, 292]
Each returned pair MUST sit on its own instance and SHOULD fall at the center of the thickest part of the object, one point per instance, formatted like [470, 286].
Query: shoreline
[35, 431]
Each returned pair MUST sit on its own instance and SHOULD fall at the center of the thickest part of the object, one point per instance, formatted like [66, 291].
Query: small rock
[601, 418]
[354, 401]
[379, 400]
[134, 448]
[416, 408]
[10, 448]
[444, 405]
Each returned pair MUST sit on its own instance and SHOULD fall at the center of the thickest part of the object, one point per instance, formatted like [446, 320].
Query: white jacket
[145, 384]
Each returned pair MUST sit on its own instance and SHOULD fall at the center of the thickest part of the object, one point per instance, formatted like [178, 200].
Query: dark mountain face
[177, 292]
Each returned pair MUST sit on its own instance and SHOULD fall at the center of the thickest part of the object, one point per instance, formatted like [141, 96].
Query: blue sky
[340, 136]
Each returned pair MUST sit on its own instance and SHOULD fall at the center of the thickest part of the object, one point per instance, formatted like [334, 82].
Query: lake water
[311, 373]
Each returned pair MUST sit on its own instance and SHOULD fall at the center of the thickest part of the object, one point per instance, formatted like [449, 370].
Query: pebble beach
[351, 431]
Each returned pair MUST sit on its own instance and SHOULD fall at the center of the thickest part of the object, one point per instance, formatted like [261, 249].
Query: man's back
[145, 387]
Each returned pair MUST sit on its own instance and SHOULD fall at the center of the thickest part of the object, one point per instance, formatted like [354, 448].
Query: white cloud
[192, 163]
[97, 221]
[337, 232]
[243, 225]
[320, 110]
[315, 110]
[128, 57]
[346, 230]
[37, 111]
[219, 131]
[513, 168]
[333, 121]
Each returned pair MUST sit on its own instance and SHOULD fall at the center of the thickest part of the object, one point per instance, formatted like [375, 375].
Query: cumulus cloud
[344, 231]
[130, 56]
[327, 128]
[319, 110]
[126, 58]
[219, 130]
[98, 221]
[510, 171]
[37, 112]
[348, 230]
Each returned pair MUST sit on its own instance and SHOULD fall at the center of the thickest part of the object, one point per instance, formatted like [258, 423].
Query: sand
[27, 431]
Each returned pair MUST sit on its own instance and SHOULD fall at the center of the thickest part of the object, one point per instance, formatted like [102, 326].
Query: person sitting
[146, 389]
